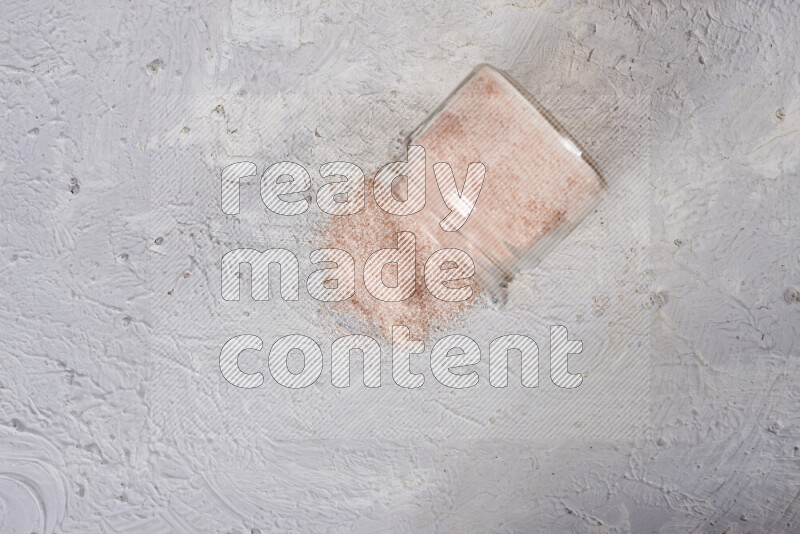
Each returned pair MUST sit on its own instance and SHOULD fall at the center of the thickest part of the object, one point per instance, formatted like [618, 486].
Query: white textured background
[80, 447]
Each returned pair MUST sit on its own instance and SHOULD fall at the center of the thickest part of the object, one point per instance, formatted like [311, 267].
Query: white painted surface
[80, 447]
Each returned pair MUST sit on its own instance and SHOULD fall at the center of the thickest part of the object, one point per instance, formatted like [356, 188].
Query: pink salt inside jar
[536, 185]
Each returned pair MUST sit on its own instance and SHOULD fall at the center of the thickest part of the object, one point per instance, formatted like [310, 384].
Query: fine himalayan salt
[536, 185]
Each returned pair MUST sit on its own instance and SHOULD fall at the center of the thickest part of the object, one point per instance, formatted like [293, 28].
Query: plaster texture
[84, 442]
